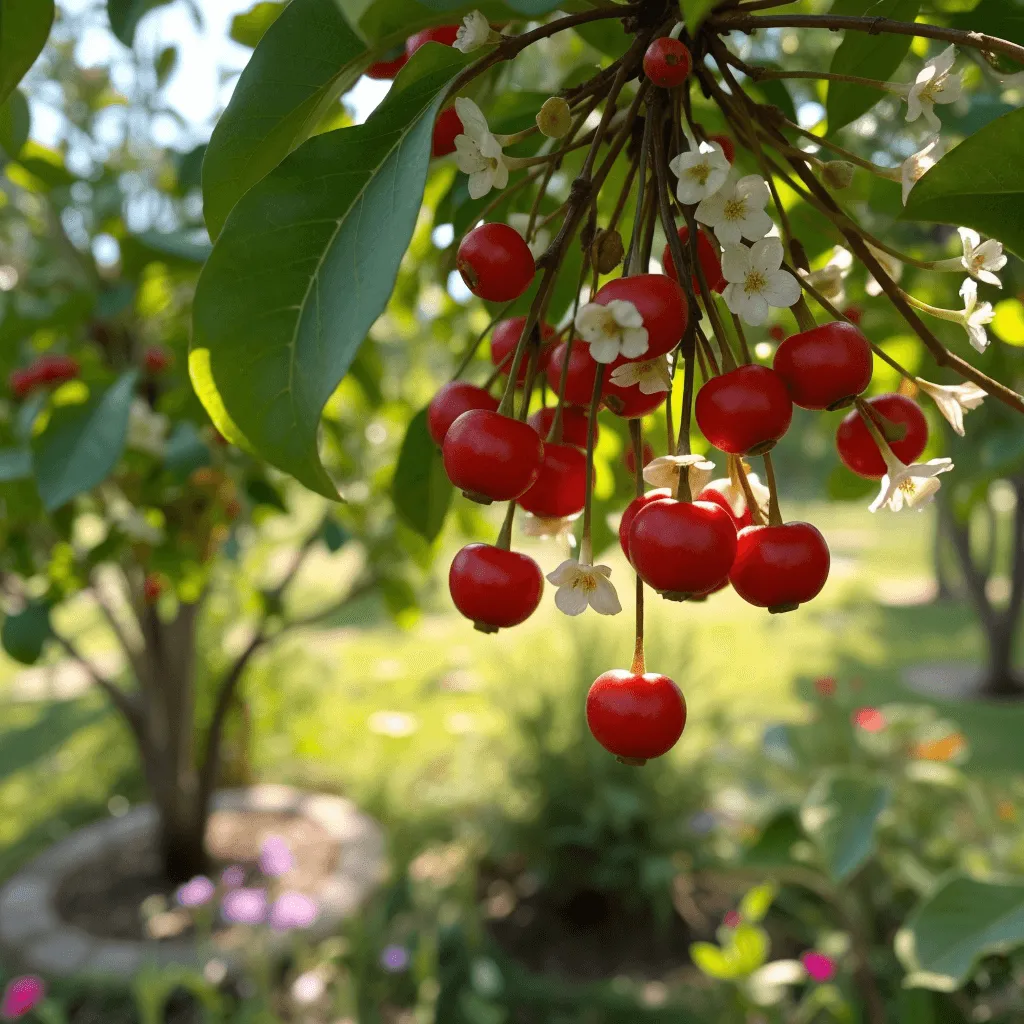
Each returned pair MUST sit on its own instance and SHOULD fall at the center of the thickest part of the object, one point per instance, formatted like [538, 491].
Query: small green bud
[554, 118]
[838, 174]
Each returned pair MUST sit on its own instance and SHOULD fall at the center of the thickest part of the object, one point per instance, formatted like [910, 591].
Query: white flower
[982, 259]
[953, 400]
[913, 486]
[974, 317]
[892, 267]
[933, 85]
[733, 493]
[147, 430]
[582, 585]
[611, 330]
[755, 281]
[308, 988]
[737, 210]
[829, 279]
[915, 166]
[474, 32]
[651, 374]
[701, 172]
[477, 152]
[664, 472]
[541, 526]
[520, 223]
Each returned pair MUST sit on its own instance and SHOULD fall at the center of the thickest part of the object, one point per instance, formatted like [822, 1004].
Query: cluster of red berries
[48, 371]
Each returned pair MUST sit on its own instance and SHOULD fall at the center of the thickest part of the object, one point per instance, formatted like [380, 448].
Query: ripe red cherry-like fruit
[728, 146]
[561, 486]
[682, 548]
[716, 497]
[825, 367]
[744, 411]
[493, 587]
[635, 717]
[443, 34]
[23, 382]
[575, 424]
[504, 339]
[777, 332]
[491, 457]
[857, 447]
[152, 588]
[451, 402]
[710, 261]
[631, 403]
[780, 567]
[385, 70]
[629, 458]
[854, 314]
[495, 262]
[56, 369]
[446, 128]
[156, 360]
[579, 386]
[661, 303]
[667, 62]
[633, 510]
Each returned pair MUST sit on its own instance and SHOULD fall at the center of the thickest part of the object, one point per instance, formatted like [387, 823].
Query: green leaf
[607, 36]
[261, 492]
[748, 949]
[23, 635]
[757, 902]
[125, 16]
[176, 249]
[979, 184]
[712, 961]
[774, 847]
[866, 56]
[15, 464]
[249, 27]
[951, 930]
[334, 535]
[840, 814]
[306, 263]
[695, 11]
[185, 450]
[15, 123]
[166, 62]
[385, 23]
[1001, 18]
[82, 444]
[308, 57]
[421, 490]
[24, 28]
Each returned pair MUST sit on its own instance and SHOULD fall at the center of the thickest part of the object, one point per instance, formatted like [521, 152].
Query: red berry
[385, 70]
[56, 369]
[682, 548]
[23, 382]
[780, 567]
[491, 457]
[744, 411]
[857, 448]
[503, 346]
[451, 402]
[728, 146]
[777, 332]
[443, 34]
[446, 128]
[152, 588]
[854, 314]
[579, 387]
[631, 403]
[661, 303]
[713, 494]
[826, 367]
[633, 510]
[495, 262]
[575, 424]
[710, 260]
[561, 486]
[667, 62]
[635, 717]
[157, 360]
[630, 457]
[493, 587]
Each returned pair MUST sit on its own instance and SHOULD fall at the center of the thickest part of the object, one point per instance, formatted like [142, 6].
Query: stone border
[34, 935]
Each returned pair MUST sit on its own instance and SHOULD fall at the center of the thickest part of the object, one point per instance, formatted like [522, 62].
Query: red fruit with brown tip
[682, 548]
[660, 302]
[504, 340]
[493, 587]
[900, 417]
[635, 717]
[780, 567]
[23, 382]
[446, 128]
[826, 367]
[451, 402]
[575, 424]
[744, 411]
[728, 146]
[631, 403]
[561, 486]
[633, 509]
[495, 262]
[156, 359]
[491, 457]
[710, 260]
[385, 70]
[443, 34]
[667, 62]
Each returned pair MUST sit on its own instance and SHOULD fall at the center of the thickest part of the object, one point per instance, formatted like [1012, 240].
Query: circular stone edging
[33, 933]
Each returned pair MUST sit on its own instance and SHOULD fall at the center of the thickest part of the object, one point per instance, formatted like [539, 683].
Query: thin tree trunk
[1003, 681]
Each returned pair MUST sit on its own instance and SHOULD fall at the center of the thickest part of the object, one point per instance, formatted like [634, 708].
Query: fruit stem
[804, 317]
[878, 427]
[774, 513]
[555, 432]
[742, 335]
[587, 547]
[738, 474]
[639, 666]
[504, 540]
[470, 352]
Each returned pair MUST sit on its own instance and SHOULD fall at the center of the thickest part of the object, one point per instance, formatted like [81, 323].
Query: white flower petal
[766, 255]
[625, 313]
[782, 289]
[735, 263]
[571, 600]
[603, 599]
[565, 573]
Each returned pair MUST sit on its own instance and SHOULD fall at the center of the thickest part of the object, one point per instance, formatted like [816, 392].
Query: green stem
[774, 512]
[587, 547]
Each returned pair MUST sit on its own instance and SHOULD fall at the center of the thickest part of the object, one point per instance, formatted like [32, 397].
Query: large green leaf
[305, 264]
[307, 58]
[125, 16]
[249, 27]
[421, 490]
[979, 184]
[15, 122]
[866, 56]
[1001, 18]
[840, 814]
[82, 443]
[24, 29]
[956, 926]
[15, 464]
[24, 634]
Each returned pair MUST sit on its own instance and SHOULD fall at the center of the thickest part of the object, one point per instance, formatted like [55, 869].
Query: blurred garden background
[836, 837]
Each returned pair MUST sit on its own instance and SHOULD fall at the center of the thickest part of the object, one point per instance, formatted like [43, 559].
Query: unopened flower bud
[554, 118]
[606, 250]
[838, 174]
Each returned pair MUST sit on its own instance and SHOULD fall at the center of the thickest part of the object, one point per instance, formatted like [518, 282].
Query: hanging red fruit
[728, 146]
[667, 62]
[491, 457]
[660, 302]
[744, 411]
[575, 424]
[826, 367]
[635, 717]
[451, 401]
[504, 340]
[446, 128]
[780, 567]
[386, 69]
[443, 34]
[901, 422]
[494, 588]
[495, 262]
[560, 489]
[710, 257]
[633, 510]
[579, 386]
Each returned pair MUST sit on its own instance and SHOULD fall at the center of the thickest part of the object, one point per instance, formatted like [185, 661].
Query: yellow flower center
[908, 487]
[585, 582]
[735, 209]
[755, 282]
[700, 173]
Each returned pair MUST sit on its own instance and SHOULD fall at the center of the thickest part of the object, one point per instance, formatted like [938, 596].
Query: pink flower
[869, 719]
[233, 877]
[293, 910]
[196, 893]
[275, 857]
[732, 919]
[21, 996]
[394, 959]
[245, 906]
[820, 967]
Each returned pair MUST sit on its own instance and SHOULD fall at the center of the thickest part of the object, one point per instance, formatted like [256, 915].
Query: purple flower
[275, 857]
[293, 910]
[818, 966]
[245, 906]
[394, 959]
[233, 877]
[21, 996]
[196, 893]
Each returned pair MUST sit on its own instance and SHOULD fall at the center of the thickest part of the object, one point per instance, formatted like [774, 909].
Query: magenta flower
[293, 910]
[21, 996]
[732, 919]
[245, 906]
[394, 959]
[276, 857]
[233, 877]
[820, 967]
[196, 893]
[869, 719]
